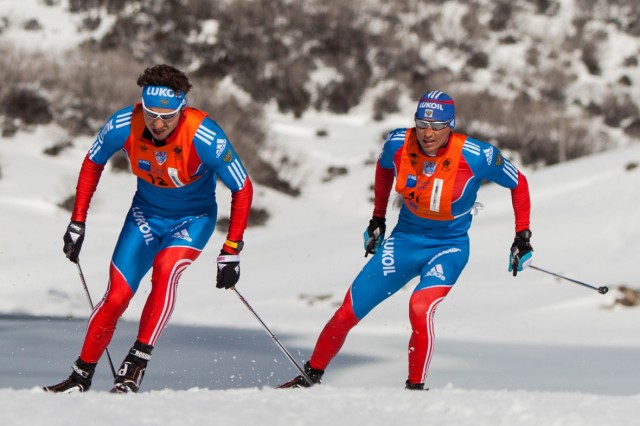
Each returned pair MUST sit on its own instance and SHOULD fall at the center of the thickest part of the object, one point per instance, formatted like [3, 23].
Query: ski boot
[132, 369]
[78, 381]
[414, 386]
[300, 382]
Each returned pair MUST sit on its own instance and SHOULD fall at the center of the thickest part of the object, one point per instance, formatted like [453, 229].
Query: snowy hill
[297, 268]
[570, 67]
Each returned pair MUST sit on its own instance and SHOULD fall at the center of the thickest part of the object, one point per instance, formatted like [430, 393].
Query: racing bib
[426, 183]
[166, 166]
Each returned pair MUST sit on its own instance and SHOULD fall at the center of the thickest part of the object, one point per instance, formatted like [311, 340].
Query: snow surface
[296, 269]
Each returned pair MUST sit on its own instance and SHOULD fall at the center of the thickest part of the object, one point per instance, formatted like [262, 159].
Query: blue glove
[374, 235]
[521, 252]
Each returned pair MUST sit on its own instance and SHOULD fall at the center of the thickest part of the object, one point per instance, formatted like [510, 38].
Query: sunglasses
[161, 115]
[435, 125]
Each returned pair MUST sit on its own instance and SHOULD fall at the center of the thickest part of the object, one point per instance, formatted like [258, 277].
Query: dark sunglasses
[435, 125]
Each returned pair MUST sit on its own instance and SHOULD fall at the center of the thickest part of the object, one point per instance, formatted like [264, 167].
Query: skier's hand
[521, 252]
[374, 235]
[73, 239]
[228, 270]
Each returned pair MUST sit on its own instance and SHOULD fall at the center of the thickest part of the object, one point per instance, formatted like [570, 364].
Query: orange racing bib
[426, 183]
[166, 166]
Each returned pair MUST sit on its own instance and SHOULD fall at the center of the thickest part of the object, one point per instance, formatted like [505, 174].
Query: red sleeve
[88, 179]
[382, 191]
[240, 209]
[521, 203]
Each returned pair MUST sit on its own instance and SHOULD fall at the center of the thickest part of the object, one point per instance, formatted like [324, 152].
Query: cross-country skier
[438, 173]
[177, 153]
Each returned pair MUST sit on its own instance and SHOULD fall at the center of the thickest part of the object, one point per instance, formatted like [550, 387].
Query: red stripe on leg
[422, 307]
[168, 267]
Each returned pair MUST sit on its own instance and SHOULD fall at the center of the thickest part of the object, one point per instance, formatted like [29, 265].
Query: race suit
[430, 240]
[172, 216]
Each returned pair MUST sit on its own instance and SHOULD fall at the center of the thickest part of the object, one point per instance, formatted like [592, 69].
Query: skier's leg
[132, 258]
[168, 266]
[333, 334]
[422, 307]
[437, 278]
[181, 246]
[386, 273]
[103, 320]
[330, 341]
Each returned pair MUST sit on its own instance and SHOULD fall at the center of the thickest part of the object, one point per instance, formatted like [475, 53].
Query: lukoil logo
[388, 258]
[143, 226]
[432, 105]
[160, 91]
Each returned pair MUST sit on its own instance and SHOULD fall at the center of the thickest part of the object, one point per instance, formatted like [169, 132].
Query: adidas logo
[184, 235]
[489, 154]
[437, 272]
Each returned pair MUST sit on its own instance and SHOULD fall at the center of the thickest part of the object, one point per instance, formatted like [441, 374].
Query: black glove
[374, 235]
[228, 270]
[73, 239]
[521, 252]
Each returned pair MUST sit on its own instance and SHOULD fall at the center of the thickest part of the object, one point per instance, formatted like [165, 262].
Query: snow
[508, 350]
[323, 405]
[62, 29]
[297, 268]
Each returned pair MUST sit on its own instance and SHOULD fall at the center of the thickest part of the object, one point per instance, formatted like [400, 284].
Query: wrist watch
[236, 245]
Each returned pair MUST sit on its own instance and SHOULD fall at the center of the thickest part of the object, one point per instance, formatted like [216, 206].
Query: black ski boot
[414, 386]
[132, 369]
[301, 382]
[78, 381]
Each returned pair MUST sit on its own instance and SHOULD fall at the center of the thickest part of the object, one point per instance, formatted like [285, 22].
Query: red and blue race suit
[430, 240]
[172, 216]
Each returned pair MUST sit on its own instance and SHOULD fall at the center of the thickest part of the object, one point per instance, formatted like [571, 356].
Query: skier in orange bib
[438, 173]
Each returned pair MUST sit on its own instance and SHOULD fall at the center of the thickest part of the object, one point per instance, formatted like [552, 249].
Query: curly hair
[165, 75]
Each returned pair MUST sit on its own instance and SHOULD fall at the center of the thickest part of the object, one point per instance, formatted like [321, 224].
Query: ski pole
[275, 339]
[601, 290]
[86, 290]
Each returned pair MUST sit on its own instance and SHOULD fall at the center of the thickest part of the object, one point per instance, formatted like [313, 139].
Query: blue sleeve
[112, 137]
[395, 139]
[215, 151]
[486, 162]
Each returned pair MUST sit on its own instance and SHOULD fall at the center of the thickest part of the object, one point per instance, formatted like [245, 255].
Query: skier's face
[161, 121]
[431, 140]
